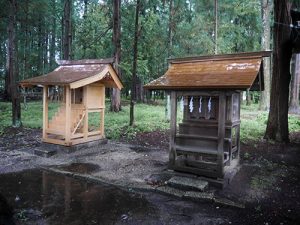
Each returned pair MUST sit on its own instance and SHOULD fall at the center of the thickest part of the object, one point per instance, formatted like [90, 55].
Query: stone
[199, 196]
[228, 202]
[170, 191]
[44, 152]
[186, 183]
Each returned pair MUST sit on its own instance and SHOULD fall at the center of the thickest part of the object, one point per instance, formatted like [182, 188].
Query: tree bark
[216, 27]
[13, 65]
[266, 39]
[40, 44]
[53, 39]
[67, 30]
[116, 93]
[7, 89]
[277, 126]
[294, 96]
[170, 45]
[134, 64]
[171, 28]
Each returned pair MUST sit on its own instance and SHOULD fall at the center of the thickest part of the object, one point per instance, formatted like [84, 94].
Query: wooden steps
[57, 123]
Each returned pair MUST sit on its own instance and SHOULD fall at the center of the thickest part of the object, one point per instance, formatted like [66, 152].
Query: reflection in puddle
[83, 168]
[46, 198]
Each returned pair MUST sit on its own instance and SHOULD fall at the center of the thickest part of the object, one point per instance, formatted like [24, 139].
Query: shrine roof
[231, 71]
[77, 73]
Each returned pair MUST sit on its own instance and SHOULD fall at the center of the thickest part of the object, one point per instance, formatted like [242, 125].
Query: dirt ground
[268, 183]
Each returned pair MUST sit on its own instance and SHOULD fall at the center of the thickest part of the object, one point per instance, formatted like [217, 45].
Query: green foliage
[254, 123]
[147, 118]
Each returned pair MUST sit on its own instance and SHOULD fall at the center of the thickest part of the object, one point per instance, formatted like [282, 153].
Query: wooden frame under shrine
[207, 140]
[82, 86]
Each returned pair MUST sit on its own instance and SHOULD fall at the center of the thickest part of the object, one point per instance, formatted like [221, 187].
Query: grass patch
[147, 118]
[254, 123]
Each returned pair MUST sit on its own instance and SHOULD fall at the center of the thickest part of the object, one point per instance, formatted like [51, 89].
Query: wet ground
[268, 185]
[40, 197]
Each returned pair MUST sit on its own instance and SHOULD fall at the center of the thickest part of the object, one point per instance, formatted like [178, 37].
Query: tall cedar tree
[277, 126]
[116, 94]
[12, 71]
[266, 39]
[294, 96]
[67, 30]
[134, 64]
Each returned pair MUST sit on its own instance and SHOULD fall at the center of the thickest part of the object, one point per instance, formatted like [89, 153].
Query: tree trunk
[7, 89]
[67, 30]
[294, 97]
[277, 126]
[248, 97]
[170, 44]
[13, 65]
[266, 39]
[27, 45]
[171, 28]
[116, 93]
[53, 39]
[134, 64]
[216, 26]
[40, 45]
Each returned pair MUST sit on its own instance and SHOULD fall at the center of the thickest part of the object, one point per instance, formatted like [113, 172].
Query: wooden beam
[86, 118]
[102, 113]
[88, 80]
[45, 111]
[221, 133]
[68, 115]
[172, 150]
[115, 77]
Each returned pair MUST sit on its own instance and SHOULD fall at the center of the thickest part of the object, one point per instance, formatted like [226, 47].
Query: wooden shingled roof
[77, 73]
[231, 71]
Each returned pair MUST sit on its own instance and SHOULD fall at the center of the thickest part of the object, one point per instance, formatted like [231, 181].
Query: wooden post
[102, 111]
[45, 111]
[172, 153]
[238, 132]
[221, 133]
[68, 116]
[86, 118]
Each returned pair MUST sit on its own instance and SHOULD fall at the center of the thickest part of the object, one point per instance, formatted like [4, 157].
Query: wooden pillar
[221, 133]
[102, 113]
[45, 111]
[68, 116]
[238, 131]
[172, 152]
[86, 118]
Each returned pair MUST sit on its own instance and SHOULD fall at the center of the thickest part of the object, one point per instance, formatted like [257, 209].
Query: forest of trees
[141, 35]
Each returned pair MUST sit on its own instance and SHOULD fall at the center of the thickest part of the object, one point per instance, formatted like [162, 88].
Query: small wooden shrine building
[79, 117]
[207, 140]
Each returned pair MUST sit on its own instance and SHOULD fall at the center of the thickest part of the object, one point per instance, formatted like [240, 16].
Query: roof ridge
[85, 61]
[241, 55]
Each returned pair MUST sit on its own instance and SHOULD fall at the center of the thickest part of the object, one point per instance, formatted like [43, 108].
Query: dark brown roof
[71, 71]
[232, 71]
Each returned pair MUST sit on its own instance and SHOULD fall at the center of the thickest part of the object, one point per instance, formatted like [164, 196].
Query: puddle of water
[83, 168]
[40, 197]
[46, 198]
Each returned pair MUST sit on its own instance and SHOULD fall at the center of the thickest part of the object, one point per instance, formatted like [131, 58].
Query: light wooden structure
[207, 140]
[83, 83]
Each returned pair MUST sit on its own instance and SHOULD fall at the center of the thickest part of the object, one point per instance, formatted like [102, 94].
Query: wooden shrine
[79, 118]
[207, 140]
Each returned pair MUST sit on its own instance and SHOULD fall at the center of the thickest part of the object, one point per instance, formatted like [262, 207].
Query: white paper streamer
[191, 106]
[200, 104]
[182, 103]
[209, 104]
